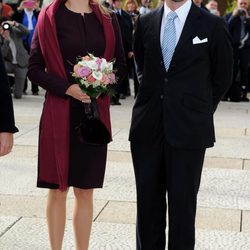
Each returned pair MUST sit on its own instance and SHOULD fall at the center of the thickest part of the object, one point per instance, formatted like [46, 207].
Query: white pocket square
[197, 40]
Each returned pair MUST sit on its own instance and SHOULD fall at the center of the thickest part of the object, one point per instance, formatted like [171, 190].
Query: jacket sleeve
[7, 122]
[221, 54]
[138, 49]
[37, 72]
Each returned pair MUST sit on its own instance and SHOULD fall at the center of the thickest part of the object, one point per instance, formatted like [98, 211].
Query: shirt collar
[181, 12]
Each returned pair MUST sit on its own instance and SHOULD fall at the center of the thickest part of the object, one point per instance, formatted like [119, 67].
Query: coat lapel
[189, 29]
[157, 30]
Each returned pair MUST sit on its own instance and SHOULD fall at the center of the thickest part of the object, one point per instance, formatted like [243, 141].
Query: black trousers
[159, 170]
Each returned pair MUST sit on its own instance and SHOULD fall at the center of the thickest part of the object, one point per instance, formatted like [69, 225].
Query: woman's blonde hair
[125, 7]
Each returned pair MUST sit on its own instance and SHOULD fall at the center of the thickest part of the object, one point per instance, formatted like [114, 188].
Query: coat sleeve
[7, 122]
[138, 49]
[37, 72]
[221, 54]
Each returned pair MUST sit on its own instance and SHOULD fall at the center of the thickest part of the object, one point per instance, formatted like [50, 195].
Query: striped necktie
[169, 39]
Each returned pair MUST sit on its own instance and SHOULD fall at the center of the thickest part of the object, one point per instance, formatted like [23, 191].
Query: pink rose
[83, 71]
[90, 79]
[105, 79]
[76, 68]
[112, 78]
[86, 58]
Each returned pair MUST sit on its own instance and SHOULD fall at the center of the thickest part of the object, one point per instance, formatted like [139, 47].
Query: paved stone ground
[223, 219]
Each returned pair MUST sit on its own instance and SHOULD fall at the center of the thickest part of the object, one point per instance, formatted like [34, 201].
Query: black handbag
[91, 130]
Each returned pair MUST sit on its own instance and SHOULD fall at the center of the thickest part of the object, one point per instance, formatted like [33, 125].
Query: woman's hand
[75, 91]
[6, 143]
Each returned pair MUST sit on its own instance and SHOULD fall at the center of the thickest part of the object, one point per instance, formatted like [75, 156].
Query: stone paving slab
[224, 188]
[206, 218]
[30, 234]
[219, 162]
[230, 148]
[246, 222]
[247, 164]
[34, 206]
[6, 222]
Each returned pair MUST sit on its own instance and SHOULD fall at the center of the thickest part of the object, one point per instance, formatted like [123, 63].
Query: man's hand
[75, 91]
[237, 11]
[6, 143]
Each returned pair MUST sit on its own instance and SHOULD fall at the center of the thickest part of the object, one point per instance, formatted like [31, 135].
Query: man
[212, 6]
[199, 4]
[7, 123]
[239, 27]
[145, 7]
[126, 26]
[27, 15]
[15, 55]
[184, 65]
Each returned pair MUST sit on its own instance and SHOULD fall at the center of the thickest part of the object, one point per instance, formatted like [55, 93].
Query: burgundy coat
[53, 156]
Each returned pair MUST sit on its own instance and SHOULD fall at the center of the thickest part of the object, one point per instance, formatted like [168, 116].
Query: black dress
[78, 35]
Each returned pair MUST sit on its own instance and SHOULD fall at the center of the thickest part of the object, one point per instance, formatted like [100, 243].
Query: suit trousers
[20, 76]
[162, 170]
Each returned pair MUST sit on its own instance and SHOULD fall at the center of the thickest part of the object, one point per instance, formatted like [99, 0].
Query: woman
[66, 30]
[7, 122]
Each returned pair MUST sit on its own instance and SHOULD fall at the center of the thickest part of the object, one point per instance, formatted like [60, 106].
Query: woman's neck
[80, 6]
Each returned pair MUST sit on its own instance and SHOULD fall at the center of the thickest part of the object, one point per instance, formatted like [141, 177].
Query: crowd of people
[20, 18]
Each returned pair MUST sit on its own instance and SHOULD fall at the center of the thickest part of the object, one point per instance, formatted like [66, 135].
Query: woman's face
[131, 7]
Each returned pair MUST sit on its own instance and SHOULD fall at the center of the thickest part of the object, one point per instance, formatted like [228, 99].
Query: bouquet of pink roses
[94, 75]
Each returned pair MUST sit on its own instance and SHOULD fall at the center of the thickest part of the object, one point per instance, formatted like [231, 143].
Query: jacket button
[161, 96]
[165, 80]
[161, 63]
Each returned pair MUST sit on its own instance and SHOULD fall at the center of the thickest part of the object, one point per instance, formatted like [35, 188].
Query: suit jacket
[22, 56]
[180, 103]
[7, 123]
[234, 26]
[126, 27]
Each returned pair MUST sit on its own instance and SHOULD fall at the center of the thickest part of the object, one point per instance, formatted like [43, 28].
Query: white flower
[83, 63]
[97, 75]
[103, 64]
[92, 65]
[110, 66]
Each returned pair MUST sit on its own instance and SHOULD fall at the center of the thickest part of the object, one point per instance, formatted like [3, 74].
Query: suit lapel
[157, 30]
[189, 29]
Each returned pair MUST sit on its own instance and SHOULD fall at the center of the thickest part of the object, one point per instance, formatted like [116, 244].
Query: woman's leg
[56, 217]
[82, 217]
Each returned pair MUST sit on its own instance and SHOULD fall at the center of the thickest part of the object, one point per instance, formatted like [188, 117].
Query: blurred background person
[14, 54]
[131, 7]
[239, 27]
[27, 14]
[7, 122]
[200, 4]
[126, 27]
[212, 6]
[145, 7]
[5, 10]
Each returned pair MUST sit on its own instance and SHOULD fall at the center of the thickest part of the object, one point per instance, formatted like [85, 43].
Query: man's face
[242, 4]
[213, 5]
[117, 4]
[197, 2]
